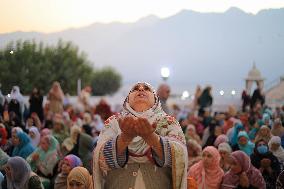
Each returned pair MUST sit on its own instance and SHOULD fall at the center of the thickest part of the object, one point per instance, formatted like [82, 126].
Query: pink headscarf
[208, 177]
[220, 139]
[231, 180]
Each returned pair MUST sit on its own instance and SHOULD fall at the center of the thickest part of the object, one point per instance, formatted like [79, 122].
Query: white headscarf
[279, 153]
[35, 141]
[16, 94]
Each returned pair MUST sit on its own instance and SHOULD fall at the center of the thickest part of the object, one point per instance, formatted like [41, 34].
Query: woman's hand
[127, 126]
[35, 156]
[244, 181]
[265, 163]
[144, 128]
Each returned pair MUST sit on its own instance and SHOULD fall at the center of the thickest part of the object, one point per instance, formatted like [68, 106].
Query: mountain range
[199, 48]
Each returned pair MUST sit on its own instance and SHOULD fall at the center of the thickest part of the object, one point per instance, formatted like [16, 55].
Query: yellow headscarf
[82, 175]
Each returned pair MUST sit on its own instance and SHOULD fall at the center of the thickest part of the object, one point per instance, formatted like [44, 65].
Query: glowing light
[222, 92]
[185, 95]
[165, 73]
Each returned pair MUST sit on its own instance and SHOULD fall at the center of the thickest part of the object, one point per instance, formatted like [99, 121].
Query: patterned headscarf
[74, 161]
[167, 127]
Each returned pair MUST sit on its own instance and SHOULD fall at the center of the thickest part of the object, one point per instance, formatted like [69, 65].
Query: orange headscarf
[208, 177]
[82, 175]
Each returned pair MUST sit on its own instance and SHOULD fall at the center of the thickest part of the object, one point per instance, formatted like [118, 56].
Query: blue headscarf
[234, 138]
[25, 148]
[249, 146]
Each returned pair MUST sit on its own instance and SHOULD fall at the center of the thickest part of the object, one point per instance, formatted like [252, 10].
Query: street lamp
[222, 92]
[233, 92]
[165, 73]
[11, 52]
[185, 95]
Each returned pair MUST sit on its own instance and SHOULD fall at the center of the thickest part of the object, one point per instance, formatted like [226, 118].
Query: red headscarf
[4, 135]
[208, 177]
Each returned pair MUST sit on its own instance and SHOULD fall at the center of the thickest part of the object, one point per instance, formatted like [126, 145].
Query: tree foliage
[39, 65]
[106, 81]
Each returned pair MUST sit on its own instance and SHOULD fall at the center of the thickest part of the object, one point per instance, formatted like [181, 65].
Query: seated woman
[35, 136]
[3, 158]
[220, 139]
[242, 173]
[19, 175]
[81, 145]
[264, 133]
[277, 150]
[266, 162]
[280, 181]
[79, 177]
[225, 151]
[190, 133]
[244, 144]
[44, 159]
[69, 162]
[59, 130]
[207, 172]
[22, 145]
[141, 147]
[194, 151]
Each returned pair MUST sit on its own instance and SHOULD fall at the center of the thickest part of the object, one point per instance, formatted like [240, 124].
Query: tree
[31, 64]
[106, 81]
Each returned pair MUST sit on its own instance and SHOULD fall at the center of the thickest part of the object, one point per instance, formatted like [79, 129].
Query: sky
[56, 15]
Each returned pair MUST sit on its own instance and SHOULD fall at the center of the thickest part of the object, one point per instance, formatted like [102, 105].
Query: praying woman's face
[264, 132]
[141, 97]
[32, 134]
[207, 159]
[15, 139]
[76, 185]
[275, 146]
[243, 140]
[65, 167]
[223, 154]
[235, 167]
[44, 144]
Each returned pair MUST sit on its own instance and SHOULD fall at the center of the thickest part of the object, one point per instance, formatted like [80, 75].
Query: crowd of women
[62, 145]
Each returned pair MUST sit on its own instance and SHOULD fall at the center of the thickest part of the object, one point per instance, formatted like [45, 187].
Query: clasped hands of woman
[132, 127]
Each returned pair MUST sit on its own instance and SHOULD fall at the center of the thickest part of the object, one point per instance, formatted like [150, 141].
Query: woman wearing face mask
[266, 162]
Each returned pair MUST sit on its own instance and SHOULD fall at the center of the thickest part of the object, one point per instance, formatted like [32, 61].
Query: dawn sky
[56, 15]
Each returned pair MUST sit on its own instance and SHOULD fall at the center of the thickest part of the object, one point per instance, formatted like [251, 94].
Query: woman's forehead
[143, 84]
